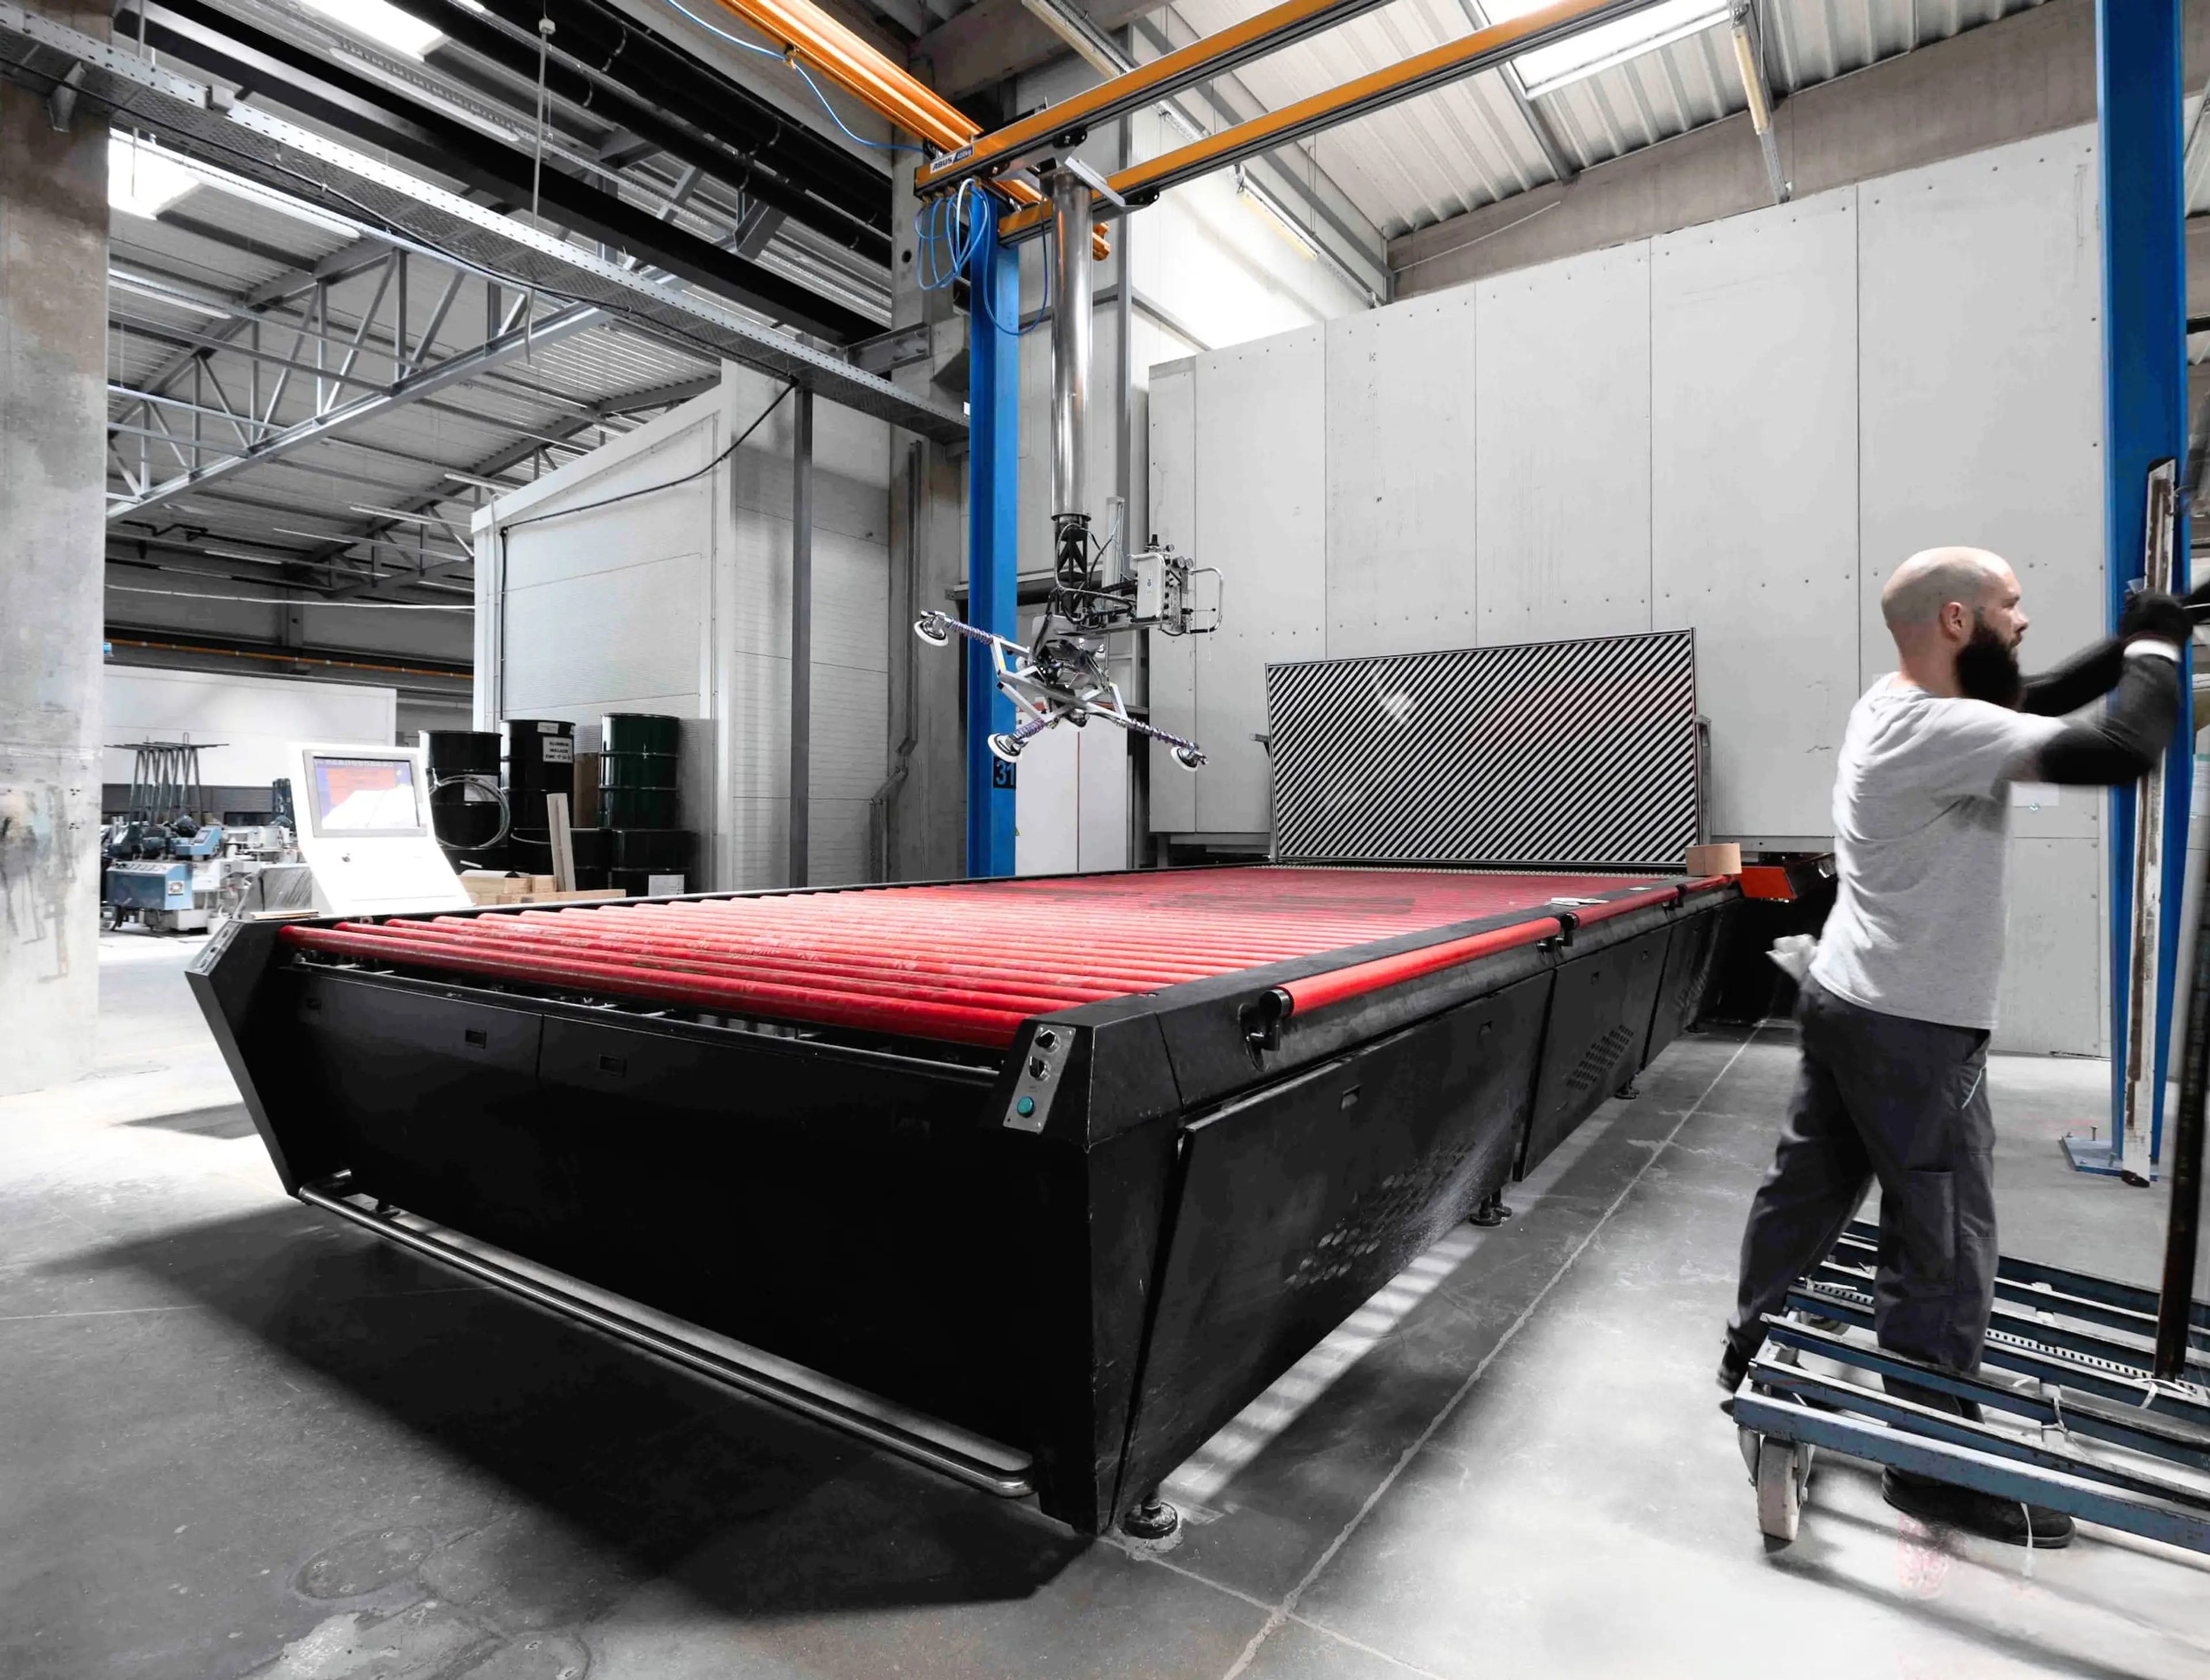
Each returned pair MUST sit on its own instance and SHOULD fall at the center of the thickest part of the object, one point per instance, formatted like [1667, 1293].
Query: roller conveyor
[1074, 1164]
[968, 963]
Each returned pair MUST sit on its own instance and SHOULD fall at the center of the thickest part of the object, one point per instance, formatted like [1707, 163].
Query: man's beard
[1987, 667]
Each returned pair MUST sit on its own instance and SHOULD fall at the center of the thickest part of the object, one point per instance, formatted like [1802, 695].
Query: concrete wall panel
[1260, 477]
[1401, 460]
[1563, 469]
[1753, 497]
[1172, 507]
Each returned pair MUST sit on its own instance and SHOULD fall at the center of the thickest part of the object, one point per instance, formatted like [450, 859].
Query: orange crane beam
[808, 35]
[1423, 72]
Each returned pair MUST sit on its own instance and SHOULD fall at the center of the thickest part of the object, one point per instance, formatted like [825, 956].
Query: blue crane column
[993, 314]
[2139, 98]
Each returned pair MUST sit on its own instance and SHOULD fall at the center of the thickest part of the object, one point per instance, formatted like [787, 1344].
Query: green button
[1025, 1107]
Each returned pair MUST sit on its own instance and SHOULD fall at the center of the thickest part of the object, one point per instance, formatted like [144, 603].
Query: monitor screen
[363, 795]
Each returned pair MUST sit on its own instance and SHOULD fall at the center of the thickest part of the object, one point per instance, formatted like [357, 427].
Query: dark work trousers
[1905, 1101]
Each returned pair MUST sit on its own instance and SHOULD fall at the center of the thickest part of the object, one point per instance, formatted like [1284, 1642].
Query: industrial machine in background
[160, 860]
[168, 867]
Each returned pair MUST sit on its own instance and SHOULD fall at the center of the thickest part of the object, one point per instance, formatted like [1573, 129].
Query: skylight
[379, 21]
[1550, 68]
[141, 181]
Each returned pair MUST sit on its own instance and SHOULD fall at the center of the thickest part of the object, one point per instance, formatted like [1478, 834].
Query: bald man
[1895, 1012]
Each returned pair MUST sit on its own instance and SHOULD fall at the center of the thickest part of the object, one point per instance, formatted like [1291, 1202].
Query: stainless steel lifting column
[1072, 300]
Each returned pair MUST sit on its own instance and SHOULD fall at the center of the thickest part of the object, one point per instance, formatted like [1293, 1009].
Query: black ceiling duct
[683, 107]
[291, 74]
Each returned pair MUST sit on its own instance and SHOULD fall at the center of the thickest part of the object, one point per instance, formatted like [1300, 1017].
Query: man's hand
[2154, 615]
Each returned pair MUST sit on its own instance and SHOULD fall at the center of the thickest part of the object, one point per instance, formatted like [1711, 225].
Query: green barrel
[637, 808]
[639, 732]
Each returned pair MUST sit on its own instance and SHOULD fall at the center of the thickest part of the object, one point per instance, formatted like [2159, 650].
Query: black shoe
[2009, 1520]
[1733, 1367]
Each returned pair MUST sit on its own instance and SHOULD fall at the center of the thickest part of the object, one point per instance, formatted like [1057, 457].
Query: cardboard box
[1716, 859]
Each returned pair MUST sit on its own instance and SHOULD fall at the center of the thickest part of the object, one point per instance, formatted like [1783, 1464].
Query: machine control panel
[1043, 1068]
[365, 832]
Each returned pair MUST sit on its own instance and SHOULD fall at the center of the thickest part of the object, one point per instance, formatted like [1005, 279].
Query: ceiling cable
[537, 169]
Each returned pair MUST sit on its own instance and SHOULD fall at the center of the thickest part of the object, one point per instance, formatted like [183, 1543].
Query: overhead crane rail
[1057, 128]
[1067, 124]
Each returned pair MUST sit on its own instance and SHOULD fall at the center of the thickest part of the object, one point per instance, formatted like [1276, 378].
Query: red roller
[921, 1020]
[436, 944]
[969, 961]
[1319, 990]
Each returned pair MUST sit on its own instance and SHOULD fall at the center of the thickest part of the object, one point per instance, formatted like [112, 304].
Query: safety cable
[650, 489]
[791, 59]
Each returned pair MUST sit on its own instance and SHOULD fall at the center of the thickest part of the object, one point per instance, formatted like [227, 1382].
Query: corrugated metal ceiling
[1470, 144]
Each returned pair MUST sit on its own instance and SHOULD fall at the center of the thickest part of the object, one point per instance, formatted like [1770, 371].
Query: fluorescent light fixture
[1289, 227]
[141, 181]
[379, 21]
[1547, 68]
[1753, 84]
[1089, 43]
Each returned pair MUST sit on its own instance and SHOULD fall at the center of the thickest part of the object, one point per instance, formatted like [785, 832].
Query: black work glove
[2155, 615]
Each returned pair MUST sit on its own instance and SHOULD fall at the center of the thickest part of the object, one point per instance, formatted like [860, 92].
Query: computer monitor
[362, 793]
[364, 827]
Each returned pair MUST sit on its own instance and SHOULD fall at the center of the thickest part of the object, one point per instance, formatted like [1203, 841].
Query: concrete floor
[236, 1439]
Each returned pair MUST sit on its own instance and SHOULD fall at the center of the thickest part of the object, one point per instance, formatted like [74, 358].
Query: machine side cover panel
[830, 1207]
[1600, 1018]
[228, 979]
[1298, 1202]
[1690, 960]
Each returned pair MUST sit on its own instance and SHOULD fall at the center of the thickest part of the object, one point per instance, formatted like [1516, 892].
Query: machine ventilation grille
[1598, 1060]
[1553, 754]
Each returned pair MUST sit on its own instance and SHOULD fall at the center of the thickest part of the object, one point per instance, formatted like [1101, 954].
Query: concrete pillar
[53, 312]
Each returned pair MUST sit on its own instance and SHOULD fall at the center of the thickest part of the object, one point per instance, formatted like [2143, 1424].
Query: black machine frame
[1095, 1247]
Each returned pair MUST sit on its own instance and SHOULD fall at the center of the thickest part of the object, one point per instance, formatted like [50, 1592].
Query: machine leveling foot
[1153, 1519]
[1493, 1211]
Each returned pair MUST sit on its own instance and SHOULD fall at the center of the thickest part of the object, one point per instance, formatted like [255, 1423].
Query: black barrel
[529, 850]
[464, 814]
[592, 849]
[637, 808]
[663, 851]
[541, 757]
[530, 853]
[461, 752]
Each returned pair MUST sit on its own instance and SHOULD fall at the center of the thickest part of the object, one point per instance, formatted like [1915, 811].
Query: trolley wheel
[1079, 717]
[1783, 1468]
[1188, 756]
[931, 629]
[1005, 747]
